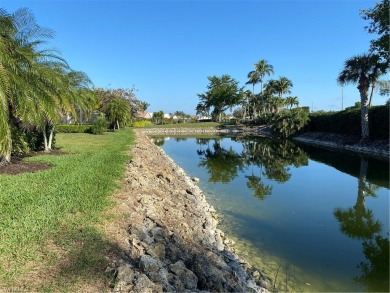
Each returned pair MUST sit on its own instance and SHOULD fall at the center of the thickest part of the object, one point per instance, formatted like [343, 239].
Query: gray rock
[159, 277]
[187, 277]
[219, 242]
[238, 271]
[144, 285]
[172, 252]
[148, 264]
[176, 283]
[126, 274]
[157, 250]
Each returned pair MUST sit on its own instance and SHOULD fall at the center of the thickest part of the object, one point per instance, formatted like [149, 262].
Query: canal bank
[157, 201]
[375, 148]
[173, 243]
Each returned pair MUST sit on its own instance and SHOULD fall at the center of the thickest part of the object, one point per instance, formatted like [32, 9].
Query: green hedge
[74, 128]
[348, 122]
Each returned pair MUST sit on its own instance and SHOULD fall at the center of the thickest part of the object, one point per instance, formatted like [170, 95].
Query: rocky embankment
[377, 148]
[174, 244]
[227, 130]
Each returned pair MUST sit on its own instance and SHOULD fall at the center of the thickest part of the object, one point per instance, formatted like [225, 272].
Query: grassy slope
[59, 208]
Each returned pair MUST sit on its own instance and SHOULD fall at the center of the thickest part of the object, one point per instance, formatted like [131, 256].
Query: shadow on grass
[81, 262]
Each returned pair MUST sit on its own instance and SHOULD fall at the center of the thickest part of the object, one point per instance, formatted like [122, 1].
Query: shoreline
[378, 148]
[173, 240]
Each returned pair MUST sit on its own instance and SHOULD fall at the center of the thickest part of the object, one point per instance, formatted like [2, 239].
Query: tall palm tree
[245, 102]
[263, 68]
[364, 70]
[253, 79]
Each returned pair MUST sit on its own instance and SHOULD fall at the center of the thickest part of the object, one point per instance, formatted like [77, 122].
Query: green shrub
[348, 122]
[35, 139]
[141, 123]
[20, 145]
[25, 141]
[99, 126]
[71, 128]
[289, 122]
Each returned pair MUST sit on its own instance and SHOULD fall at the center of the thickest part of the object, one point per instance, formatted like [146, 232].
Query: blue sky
[167, 49]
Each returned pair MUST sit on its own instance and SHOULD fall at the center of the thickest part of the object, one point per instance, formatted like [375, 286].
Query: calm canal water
[311, 219]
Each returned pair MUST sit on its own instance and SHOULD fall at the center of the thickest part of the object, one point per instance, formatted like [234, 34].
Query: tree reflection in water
[158, 140]
[358, 223]
[273, 157]
[262, 160]
[222, 164]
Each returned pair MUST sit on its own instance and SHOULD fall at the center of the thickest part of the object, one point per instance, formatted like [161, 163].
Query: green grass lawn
[61, 204]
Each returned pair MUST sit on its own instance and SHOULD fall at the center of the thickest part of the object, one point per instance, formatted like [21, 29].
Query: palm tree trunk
[117, 124]
[254, 103]
[362, 182]
[5, 157]
[364, 115]
[45, 139]
[51, 138]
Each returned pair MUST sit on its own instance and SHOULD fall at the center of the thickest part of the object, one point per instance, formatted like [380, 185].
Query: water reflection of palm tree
[375, 272]
[358, 223]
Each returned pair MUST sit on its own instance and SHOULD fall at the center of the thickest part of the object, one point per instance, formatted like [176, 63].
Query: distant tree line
[272, 105]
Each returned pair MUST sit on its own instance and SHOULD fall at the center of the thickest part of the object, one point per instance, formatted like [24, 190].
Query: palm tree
[26, 74]
[118, 112]
[364, 70]
[358, 222]
[245, 102]
[292, 101]
[283, 86]
[263, 68]
[253, 79]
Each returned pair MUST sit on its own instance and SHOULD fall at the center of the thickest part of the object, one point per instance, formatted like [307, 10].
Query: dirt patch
[18, 166]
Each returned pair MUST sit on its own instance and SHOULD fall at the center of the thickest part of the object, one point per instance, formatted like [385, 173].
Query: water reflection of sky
[295, 222]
